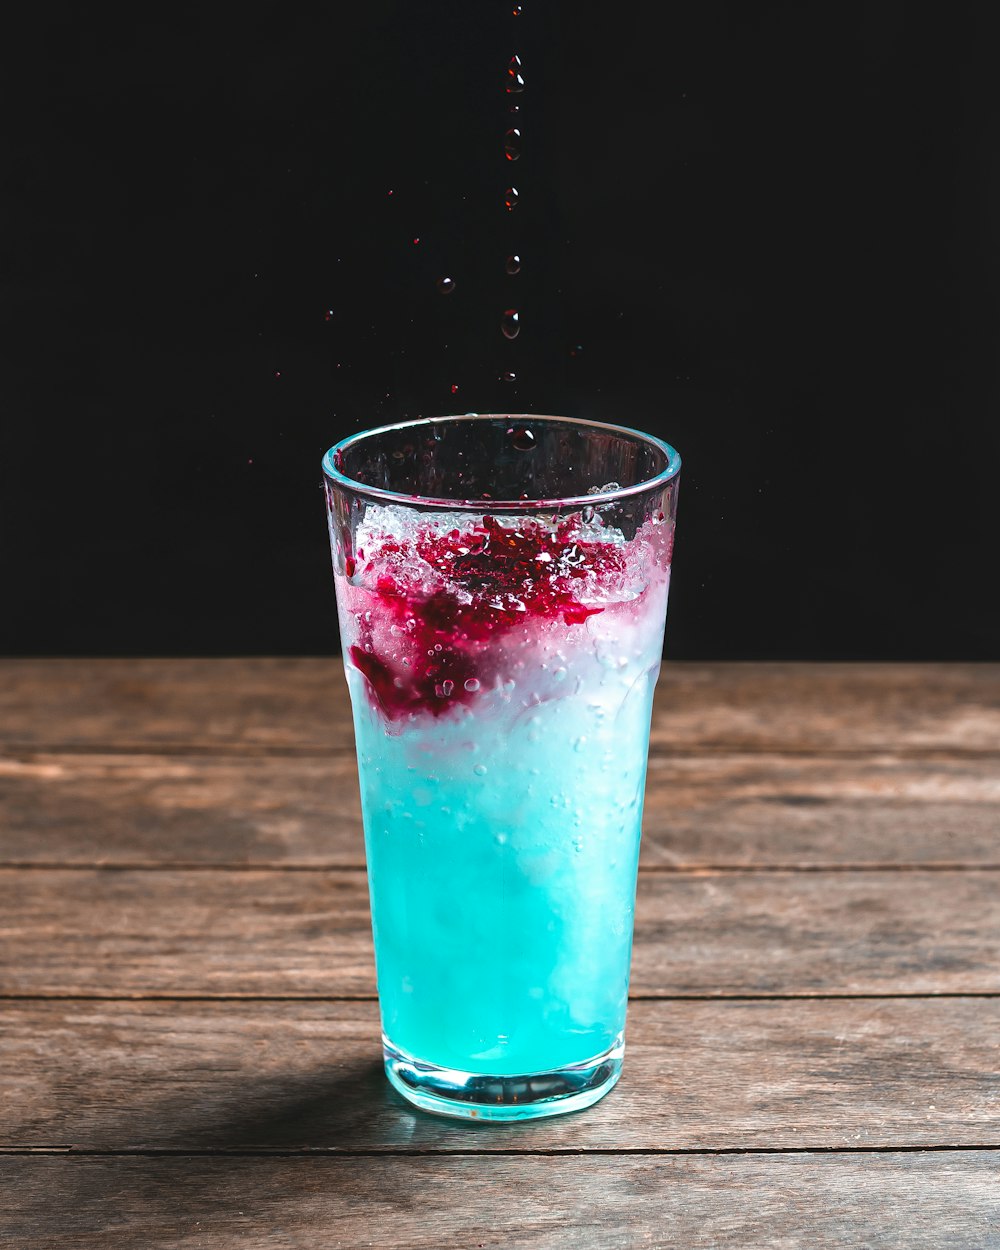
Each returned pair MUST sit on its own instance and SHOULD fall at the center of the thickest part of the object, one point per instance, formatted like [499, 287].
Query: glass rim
[667, 474]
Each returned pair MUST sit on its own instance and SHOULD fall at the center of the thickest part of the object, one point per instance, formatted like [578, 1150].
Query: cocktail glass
[502, 590]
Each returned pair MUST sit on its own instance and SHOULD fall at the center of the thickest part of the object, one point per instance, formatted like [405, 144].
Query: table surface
[189, 1043]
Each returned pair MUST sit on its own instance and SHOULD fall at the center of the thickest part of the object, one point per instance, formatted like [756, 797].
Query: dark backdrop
[767, 232]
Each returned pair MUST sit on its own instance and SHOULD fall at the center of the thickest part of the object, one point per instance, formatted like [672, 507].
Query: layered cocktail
[502, 655]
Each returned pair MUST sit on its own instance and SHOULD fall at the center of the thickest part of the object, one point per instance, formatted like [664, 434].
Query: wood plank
[747, 810]
[944, 1201]
[267, 932]
[301, 704]
[734, 1075]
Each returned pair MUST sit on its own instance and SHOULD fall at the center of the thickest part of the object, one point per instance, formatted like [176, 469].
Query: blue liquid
[502, 843]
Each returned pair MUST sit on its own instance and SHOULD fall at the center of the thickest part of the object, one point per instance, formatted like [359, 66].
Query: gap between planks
[608, 1152]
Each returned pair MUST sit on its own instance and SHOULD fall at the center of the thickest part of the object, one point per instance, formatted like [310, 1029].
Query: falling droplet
[511, 324]
[517, 10]
[454, 387]
[515, 84]
[446, 285]
[511, 198]
[512, 144]
[513, 66]
[328, 315]
[513, 108]
[508, 376]
[521, 438]
[512, 264]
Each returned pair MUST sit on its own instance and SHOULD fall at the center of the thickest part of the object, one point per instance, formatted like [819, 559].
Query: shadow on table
[273, 1140]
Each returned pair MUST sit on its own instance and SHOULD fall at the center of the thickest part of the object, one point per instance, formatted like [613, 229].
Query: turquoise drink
[502, 666]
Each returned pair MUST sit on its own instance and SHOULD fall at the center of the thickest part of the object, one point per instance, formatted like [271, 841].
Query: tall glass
[502, 589]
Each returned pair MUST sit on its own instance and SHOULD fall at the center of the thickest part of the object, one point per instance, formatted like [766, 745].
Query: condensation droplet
[511, 198]
[512, 144]
[511, 324]
[446, 285]
[472, 685]
[512, 264]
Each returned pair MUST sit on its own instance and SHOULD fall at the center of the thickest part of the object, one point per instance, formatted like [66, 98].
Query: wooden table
[189, 1050]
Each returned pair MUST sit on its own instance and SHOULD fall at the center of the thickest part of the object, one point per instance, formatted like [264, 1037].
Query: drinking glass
[502, 588]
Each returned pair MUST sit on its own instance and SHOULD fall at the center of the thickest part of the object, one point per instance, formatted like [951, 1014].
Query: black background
[766, 232]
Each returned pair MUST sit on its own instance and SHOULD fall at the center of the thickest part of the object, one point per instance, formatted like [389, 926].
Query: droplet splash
[512, 144]
[511, 199]
[511, 324]
[512, 264]
[521, 438]
[446, 285]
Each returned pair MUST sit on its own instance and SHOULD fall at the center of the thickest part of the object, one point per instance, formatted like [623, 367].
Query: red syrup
[494, 579]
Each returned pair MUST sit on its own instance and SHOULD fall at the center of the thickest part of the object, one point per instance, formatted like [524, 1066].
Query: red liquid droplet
[454, 387]
[521, 438]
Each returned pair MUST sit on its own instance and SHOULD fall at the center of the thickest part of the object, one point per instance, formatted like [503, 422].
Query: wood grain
[824, 1074]
[945, 1201]
[301, 704]
[266, 932]
[743, 810]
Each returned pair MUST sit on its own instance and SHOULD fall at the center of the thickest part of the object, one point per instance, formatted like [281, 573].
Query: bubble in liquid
[511, 198]
[511, 324]
[471, 684]
[446, 285]
[480, 770]
[508, 375]
[447, 687]
[512, 264]
[521, 438]
[512, 144]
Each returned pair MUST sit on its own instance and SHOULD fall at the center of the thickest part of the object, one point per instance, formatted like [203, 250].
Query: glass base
[475, 1096]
